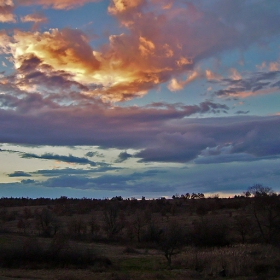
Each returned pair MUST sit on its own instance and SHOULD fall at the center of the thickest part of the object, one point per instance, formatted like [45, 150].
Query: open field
[118, 240]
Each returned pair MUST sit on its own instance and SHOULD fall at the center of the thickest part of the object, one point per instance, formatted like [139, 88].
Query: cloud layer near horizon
[162, 134]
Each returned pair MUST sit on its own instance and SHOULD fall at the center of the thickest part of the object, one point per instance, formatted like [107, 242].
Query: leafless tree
[243, 226]
[112, 222]
[171, 241]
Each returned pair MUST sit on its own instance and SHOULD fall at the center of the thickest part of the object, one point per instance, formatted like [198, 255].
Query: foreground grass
[242, 262]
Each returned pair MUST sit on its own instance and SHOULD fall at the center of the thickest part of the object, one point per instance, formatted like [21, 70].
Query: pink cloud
[163, 41]
[36, 18]
[6, 11]
[55, 4]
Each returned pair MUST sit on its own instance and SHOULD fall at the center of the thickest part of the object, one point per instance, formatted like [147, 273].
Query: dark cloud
[252, 83]
[72, 171]
[175, 147]
[68, 159]
[28, 181]
[123, 156]
[34, 72]
[131, 182]
[19, 174]
[94, 125]
[90, 154]
[226, 158]
[161, 131]
[256, 137]
[240, 112]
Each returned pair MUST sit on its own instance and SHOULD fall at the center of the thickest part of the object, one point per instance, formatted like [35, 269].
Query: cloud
[55, 4]
[175, 147]
[240, 112]
[250, 138]
[135, 182]
[56, 48]
[123, 156]
[7, 11]
[91, 154]
[162, 41]
[124, 6]
[36, 18]
[230, 158]
[253, 84]
[28, 181]
[19, 174]
[68, 159]
[161, 131]
[73, 171]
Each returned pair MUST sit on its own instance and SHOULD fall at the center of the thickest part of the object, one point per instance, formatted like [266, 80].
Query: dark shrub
[30, 253]
[206, 233]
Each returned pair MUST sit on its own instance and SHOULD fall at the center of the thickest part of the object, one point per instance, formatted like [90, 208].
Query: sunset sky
[137, 98]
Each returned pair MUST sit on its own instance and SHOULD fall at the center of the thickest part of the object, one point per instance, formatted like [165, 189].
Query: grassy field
[208, 239]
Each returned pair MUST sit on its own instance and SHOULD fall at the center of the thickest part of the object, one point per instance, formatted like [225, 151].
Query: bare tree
[47, 222]
[259, 190]
[171, 240]
[112, 222]
[243, 226]
[77, 227]
[266, 211]
[94, 226]
[140, 220]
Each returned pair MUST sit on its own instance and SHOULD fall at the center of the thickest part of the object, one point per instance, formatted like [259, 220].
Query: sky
[132, 98]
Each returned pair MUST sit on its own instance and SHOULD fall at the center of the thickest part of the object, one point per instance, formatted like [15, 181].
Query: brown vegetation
[187, 237]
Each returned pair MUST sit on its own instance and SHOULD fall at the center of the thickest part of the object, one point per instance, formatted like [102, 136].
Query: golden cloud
[128, 67]
[56, 48]
[120, 6]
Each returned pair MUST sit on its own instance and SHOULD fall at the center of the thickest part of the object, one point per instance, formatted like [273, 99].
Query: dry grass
[236, 261]
[141, 261]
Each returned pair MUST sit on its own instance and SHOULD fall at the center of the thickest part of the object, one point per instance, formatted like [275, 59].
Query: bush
[31, 253]
[206, 233]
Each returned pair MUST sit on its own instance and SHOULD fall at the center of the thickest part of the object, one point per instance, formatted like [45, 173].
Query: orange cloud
[55, 4]
[118, 72]
[56, 48]
[120, 6]
[163, 40]
[146, 47]
[37, 17]
[174, 85]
